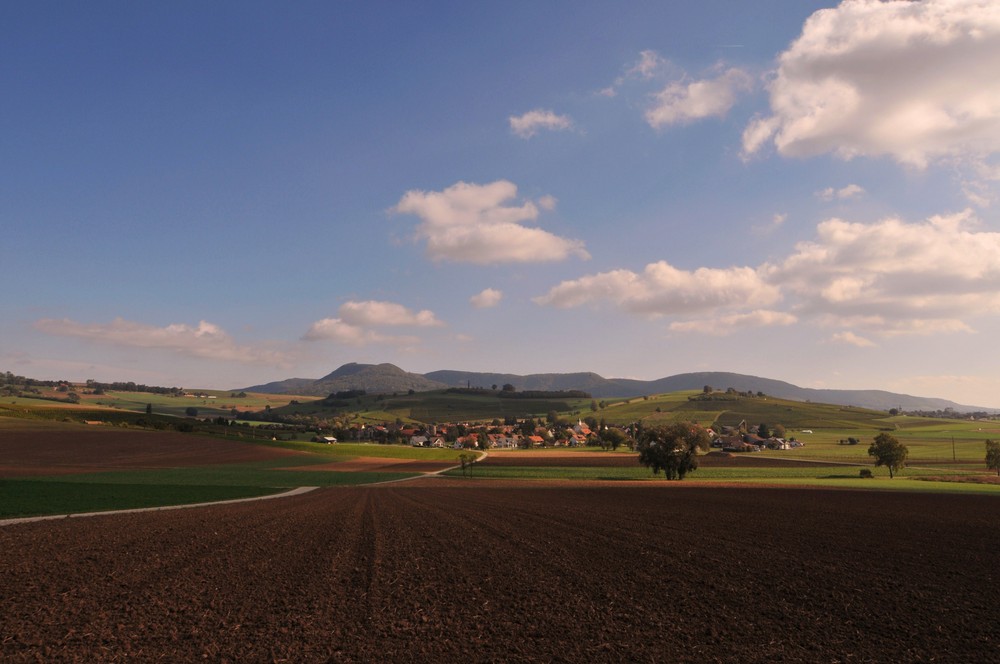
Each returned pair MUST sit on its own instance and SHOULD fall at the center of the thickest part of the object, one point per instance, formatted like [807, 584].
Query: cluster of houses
[740, 438]
[499, 437]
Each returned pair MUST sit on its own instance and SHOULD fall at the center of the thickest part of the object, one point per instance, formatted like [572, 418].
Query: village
[528, 434]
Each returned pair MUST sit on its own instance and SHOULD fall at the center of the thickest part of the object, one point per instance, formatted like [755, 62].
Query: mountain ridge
[388, 378]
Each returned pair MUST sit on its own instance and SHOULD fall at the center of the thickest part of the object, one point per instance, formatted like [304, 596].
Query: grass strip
[32, 497]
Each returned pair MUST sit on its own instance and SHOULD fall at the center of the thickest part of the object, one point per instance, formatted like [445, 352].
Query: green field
[22, 498]
[845, 477]
[938, 448]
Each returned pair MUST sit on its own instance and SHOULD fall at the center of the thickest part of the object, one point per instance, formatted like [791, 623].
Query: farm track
[439, 572]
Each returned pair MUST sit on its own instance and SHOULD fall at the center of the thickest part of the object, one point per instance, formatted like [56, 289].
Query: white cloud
[896, 277]
[335, 329]
[489, 297]
[734, 323]
[646, 67]
[851, 339]
[662, 289]
[377, 313]
[355, 320]
[474, 223]
[205, 340]
[681, 103]
[530, 123]
[850, 191]
[915, 81]
[880, 280]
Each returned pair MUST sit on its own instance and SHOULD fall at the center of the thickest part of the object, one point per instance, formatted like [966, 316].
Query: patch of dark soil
[437, 572]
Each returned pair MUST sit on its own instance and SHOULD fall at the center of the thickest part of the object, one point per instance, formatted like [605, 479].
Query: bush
[866, 473]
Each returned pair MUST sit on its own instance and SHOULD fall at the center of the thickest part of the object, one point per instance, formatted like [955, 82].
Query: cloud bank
[887, 278]
[203, 341]
[662, 290]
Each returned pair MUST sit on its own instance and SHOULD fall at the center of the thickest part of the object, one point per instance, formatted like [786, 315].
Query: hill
[388, 379]
[373, 378]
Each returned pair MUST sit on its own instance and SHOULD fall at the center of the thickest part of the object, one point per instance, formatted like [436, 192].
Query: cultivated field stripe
[51, 517]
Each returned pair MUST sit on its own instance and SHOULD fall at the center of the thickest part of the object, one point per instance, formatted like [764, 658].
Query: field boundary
[52, 517]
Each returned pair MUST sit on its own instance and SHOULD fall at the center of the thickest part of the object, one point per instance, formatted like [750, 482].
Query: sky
[217, 195]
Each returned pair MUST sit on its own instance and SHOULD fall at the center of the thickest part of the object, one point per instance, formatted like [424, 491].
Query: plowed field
[27, 451]
[439, 572]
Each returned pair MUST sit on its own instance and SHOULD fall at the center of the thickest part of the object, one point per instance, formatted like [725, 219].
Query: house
[329, 440]
[419, 441]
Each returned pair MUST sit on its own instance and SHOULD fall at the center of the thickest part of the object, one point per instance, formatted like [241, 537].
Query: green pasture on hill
[439, 406]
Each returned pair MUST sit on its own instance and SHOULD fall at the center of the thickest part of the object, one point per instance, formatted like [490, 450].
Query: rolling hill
[388, 379]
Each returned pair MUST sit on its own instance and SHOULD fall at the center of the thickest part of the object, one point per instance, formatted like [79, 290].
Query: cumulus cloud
[375, 313]
[850, 191]
[480, 224]
[489, 297]
[530, 123]
[205, 340]
[734, 323]
[914, 81]
[893, 276]
[356, 324]
[683, 102]
[340, 331]
[878, 280]
[661, 289]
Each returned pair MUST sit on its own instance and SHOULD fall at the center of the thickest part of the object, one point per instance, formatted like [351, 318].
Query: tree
[613, 438]
[778, 431]
[191, 411]
[993, 456]
[507, 387]
[888, 452]
[149, 409]
[763, 431]
[672, 449]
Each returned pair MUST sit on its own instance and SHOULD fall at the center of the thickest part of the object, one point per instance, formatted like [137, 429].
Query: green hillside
[438, 406]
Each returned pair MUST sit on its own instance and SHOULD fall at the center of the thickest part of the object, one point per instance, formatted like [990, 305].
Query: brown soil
[28, 451]
[433, 572]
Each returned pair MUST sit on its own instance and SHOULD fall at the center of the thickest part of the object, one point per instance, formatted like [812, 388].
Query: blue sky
[223, 194]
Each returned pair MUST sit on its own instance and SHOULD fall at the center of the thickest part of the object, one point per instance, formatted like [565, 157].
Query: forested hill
[388, 378]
